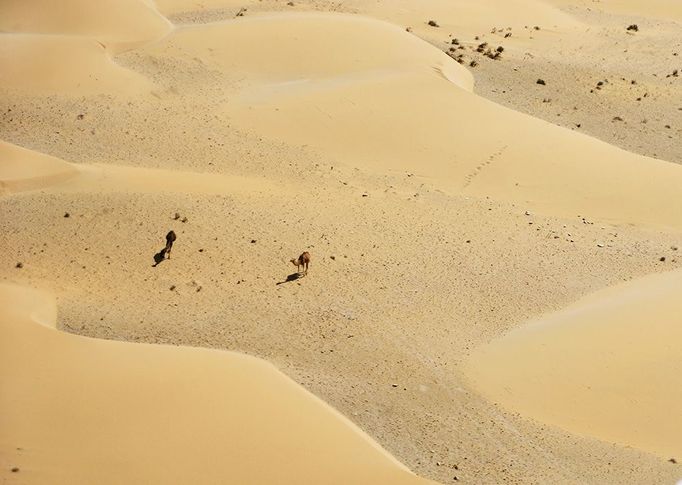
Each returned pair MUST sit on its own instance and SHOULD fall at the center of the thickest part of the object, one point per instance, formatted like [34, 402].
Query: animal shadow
[290, 278]
[159, 257]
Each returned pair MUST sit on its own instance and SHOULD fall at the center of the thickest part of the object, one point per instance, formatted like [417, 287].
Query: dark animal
[170, 239]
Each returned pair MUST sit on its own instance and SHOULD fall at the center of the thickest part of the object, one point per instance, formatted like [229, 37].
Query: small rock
[333, 258]
[633, 28]
[540, 81]
[253, 241]
[394, 385]
[184, 219]
[15, 469]
[600, 245]
[662, 259]
[177, 216]
[172, 288]
[433, 23]
[527, 213]
[80, 116]
[19, 265]
[673, 461]
[67, 215]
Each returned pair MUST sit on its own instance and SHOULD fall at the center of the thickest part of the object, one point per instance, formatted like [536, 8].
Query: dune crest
[22, 169]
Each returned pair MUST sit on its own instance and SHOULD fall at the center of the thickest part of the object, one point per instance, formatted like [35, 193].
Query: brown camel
[302, 261]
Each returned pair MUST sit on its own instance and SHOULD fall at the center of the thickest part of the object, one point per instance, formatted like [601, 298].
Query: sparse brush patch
[633, 28]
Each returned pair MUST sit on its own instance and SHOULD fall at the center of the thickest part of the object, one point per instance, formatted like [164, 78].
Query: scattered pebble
[433, 23]
[20, 265]
[541, 82]
[662, 259]
[633, 28]
[67, 215]
[15, 469]
[673, 461]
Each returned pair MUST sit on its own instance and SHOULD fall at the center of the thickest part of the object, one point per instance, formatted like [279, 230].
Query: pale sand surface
[437, 220]
[78, 410]
[608, 365]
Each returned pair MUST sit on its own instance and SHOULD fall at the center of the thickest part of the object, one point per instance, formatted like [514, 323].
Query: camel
[303, 260]
[170, 238]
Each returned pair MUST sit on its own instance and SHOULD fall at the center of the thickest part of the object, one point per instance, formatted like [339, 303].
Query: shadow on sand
[292, 277]
[159, 257]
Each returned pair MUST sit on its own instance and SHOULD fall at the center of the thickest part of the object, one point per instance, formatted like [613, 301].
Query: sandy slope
[119, 24]
[47, 64]
[607, 366]
[438, 221]
[76, 410]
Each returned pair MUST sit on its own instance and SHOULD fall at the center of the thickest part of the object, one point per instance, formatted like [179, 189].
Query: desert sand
[485, 272]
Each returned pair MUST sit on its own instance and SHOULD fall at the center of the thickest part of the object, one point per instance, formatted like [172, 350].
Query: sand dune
[43, 64]
[24, 170]
[608, 366]
[77, 410]
[469, 146]
[118, 24]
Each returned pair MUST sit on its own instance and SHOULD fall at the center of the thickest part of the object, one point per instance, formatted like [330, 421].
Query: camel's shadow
[292, 277]
[159, 258]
